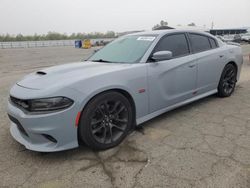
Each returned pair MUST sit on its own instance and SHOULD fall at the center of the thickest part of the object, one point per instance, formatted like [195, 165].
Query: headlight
[49, 104]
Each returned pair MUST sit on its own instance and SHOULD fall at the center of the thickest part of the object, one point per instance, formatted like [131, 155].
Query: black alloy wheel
[106, 120]
[228, 81]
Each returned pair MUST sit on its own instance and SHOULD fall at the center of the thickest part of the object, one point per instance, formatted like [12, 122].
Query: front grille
[18, 124]
[20, 103]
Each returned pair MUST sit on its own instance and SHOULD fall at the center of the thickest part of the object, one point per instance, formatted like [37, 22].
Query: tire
[227, 81]
[106, 121]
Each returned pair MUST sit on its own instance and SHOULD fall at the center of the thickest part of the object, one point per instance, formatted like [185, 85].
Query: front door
[175, 80]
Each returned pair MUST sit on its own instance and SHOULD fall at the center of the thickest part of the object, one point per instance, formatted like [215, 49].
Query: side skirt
[159, 112]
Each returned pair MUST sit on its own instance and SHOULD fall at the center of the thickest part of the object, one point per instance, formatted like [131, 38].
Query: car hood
[68, 73]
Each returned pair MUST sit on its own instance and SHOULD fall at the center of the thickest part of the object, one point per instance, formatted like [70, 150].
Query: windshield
[129, 49]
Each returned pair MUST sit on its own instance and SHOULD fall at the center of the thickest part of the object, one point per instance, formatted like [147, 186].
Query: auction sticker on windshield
[146, 38]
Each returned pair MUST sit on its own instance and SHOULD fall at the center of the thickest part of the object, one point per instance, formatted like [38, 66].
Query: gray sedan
[131, 80]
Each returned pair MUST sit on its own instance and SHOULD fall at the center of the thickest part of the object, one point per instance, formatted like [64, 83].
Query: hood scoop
[41, 73]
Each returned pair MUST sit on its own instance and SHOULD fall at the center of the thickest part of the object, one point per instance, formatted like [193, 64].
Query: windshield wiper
[101, 60]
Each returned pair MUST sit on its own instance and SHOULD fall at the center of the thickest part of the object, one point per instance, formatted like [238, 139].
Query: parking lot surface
[203, 144]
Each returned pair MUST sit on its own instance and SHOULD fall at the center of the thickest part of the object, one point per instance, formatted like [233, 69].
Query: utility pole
[212, 25]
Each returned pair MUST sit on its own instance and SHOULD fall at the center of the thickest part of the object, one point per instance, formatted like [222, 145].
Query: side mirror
[162, 55]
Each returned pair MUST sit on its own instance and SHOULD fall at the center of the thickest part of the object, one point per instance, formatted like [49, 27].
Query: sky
[73, 16]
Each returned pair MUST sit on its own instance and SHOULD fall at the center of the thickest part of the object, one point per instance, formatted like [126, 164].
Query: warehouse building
[228, 31]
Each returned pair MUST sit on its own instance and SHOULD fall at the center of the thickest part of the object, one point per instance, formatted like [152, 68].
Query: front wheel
[227, 81]
[105, 121]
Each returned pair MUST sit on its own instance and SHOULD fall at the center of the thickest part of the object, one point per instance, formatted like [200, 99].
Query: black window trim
[208, 37]
[170, 34]
[216, 43]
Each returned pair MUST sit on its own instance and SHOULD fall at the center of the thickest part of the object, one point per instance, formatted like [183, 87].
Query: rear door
[209, 61]
[172, 81]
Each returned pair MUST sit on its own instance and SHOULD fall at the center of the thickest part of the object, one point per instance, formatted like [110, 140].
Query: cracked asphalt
[204, 144]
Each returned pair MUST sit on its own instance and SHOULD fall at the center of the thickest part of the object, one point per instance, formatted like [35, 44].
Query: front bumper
[48, 132]
[45, 132]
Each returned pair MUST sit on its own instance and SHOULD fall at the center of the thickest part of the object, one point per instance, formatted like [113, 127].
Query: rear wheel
[227, 81]
[105, 121]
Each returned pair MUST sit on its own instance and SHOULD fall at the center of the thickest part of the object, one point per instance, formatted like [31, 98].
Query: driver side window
[176, 43]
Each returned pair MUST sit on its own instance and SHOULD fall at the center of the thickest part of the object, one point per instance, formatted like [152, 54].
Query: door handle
[191, 66]
[221, 56]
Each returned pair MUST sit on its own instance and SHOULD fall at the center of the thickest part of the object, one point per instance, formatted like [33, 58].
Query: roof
[163, 32]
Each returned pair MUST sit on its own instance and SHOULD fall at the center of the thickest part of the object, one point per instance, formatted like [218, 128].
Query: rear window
[199, 42]
[213, 43]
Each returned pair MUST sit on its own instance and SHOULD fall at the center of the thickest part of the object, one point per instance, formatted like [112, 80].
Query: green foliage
[192, 24]
[56, 36]
[162, 23]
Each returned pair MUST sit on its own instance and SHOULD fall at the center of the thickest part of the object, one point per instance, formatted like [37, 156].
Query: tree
[156, 26]
[7, 38]
[162, 23]
[110, 34]
[57, 36]
[19, 37]
[192, 24]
